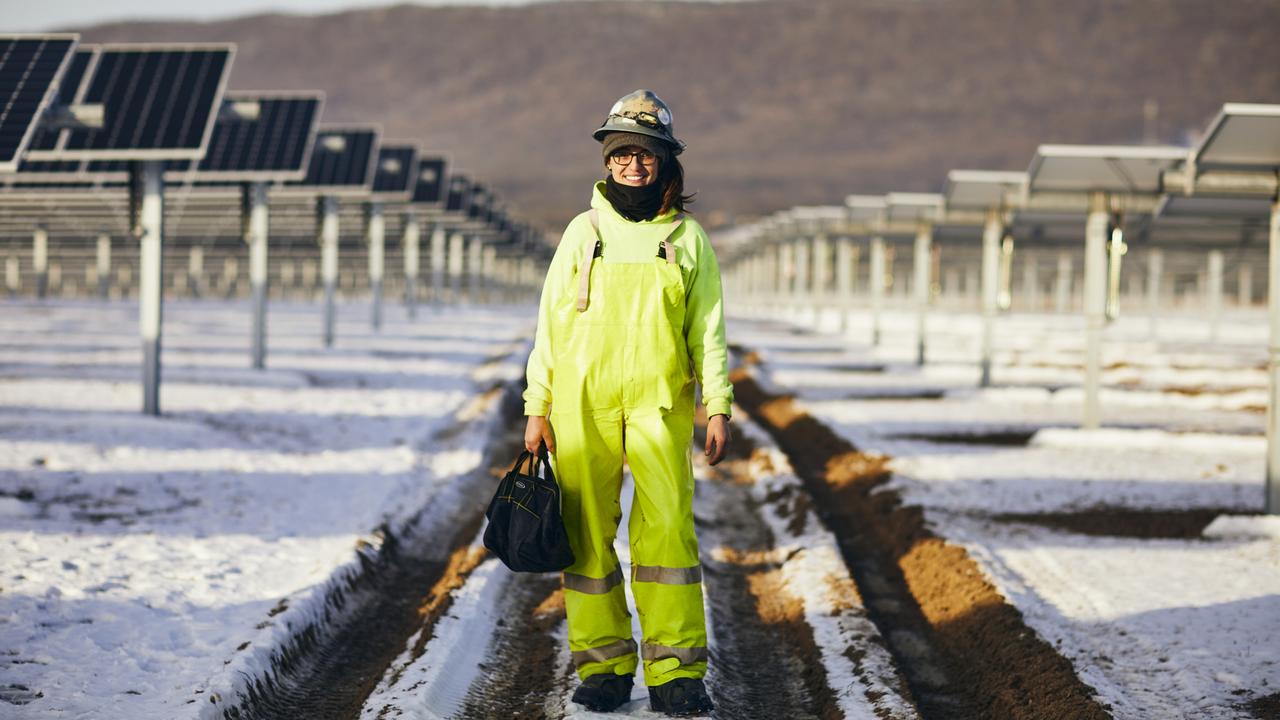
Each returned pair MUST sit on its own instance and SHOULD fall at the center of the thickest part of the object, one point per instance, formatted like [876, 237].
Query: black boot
[681, 697]
[603, 692]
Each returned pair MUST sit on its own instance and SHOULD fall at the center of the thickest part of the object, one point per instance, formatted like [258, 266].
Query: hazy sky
[38, 15]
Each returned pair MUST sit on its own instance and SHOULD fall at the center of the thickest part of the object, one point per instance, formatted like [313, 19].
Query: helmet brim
[677, 147]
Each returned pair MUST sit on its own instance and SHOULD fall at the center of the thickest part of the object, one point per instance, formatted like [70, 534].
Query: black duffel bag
[525, 528]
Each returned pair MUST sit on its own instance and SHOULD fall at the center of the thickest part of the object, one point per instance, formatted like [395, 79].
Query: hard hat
[640, 112]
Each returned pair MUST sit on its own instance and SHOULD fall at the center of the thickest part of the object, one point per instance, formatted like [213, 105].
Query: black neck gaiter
[636, 204]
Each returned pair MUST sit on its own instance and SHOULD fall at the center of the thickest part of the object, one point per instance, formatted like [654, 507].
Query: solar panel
[30, 69]
[459, 194]
[395, 172]
[341, 162]
[159, 102]
[1084, 168]
[481, 203]
[264, 136]
[429, 187]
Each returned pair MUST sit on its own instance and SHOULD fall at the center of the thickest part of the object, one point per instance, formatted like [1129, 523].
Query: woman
[631, 314]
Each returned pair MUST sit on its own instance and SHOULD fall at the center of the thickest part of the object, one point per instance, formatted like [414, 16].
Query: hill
[782, 102]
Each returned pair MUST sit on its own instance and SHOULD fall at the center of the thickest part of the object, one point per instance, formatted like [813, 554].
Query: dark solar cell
[480, 202]
[275, 140]
[395, 169]
[429, 186]
[161, 100]
[29, 67]
[459, 194]
[341, 158]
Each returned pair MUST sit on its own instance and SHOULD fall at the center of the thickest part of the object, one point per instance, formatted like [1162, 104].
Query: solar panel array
[158, 103]
[429, 187]
[395, 171]
[29, 74]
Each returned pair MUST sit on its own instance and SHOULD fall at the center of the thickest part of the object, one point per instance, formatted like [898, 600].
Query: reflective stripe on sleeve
[666, 575]
[686, 655]
[604, 652]
[593, 586]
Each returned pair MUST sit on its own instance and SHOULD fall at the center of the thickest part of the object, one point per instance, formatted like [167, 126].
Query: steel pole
[475, 268]
[438, 246]
[147, 182]
[1095, 305]
[328, 208]
[1155, 273]
[1062, 284]
[921, 258]
[992, 233]
[457, 247]
[410, 241]
[1272, 506]
[195, 270]
[1215, 294]
[844, 278]
[40, 260]
[256, 232]
[1030, 282]
[876, 284]
[376, 236]
[1244, 285]
[104, 266]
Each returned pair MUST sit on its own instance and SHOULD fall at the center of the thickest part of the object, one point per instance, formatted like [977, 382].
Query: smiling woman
[631, 316]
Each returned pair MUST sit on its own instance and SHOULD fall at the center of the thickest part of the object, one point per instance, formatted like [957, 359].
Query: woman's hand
[537, 431]
[718, 438]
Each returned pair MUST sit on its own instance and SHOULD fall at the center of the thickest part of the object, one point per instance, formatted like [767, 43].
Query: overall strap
[584, 269]
[667, 251]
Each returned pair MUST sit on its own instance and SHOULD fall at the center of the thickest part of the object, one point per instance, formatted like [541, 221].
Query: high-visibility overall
[622, 338]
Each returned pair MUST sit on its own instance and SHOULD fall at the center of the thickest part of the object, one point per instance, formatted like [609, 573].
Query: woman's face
[633, 165]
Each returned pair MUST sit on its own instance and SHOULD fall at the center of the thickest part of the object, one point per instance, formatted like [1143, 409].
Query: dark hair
[671, 175]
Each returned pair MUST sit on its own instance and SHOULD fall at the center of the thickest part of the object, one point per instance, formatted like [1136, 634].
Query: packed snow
[147, 564]
[1159, 627]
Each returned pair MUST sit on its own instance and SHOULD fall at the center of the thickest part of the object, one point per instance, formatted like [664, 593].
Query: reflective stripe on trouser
[622, 380]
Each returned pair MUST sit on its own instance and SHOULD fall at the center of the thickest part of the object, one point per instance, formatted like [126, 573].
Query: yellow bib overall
[623, 386]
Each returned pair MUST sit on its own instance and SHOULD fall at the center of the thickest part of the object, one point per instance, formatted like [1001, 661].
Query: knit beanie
[616, 140]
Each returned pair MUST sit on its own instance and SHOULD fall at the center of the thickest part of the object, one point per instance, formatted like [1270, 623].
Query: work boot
[681, 697]
[603, 692]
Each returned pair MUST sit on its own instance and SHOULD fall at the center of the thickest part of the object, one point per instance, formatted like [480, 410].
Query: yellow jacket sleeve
[559, 281]
[704, 327]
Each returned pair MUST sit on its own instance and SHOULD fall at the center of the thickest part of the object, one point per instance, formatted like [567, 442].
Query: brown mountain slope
[782, 102]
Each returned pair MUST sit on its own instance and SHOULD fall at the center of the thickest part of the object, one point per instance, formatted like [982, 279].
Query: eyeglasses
[623, 157]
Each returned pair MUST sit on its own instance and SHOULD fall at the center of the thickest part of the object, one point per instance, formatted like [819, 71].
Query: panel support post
[40, 259]
[1095, 305]
[328, 212]
[922, 257]
[804, 266]
[1215, 294]
[992, 233]
[104, 266]
[195, 270]
[146, 184]
[254, 209]
[1155, 273]
[438, 247]
[1273, 366]
[457, 247]
[844, 279]
[475, 268]
[876, 285]
[1030, 282]
[1244, 285]
[410, 242]
[1062, 284]
[375, 229]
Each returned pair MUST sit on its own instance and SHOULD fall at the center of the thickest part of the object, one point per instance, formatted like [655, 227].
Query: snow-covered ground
[148, 563]
[1159, 627]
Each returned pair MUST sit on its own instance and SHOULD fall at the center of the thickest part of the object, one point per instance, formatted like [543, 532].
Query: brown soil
[1265, 708]
[766, 661]
[993, 663]
[1120, 522]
